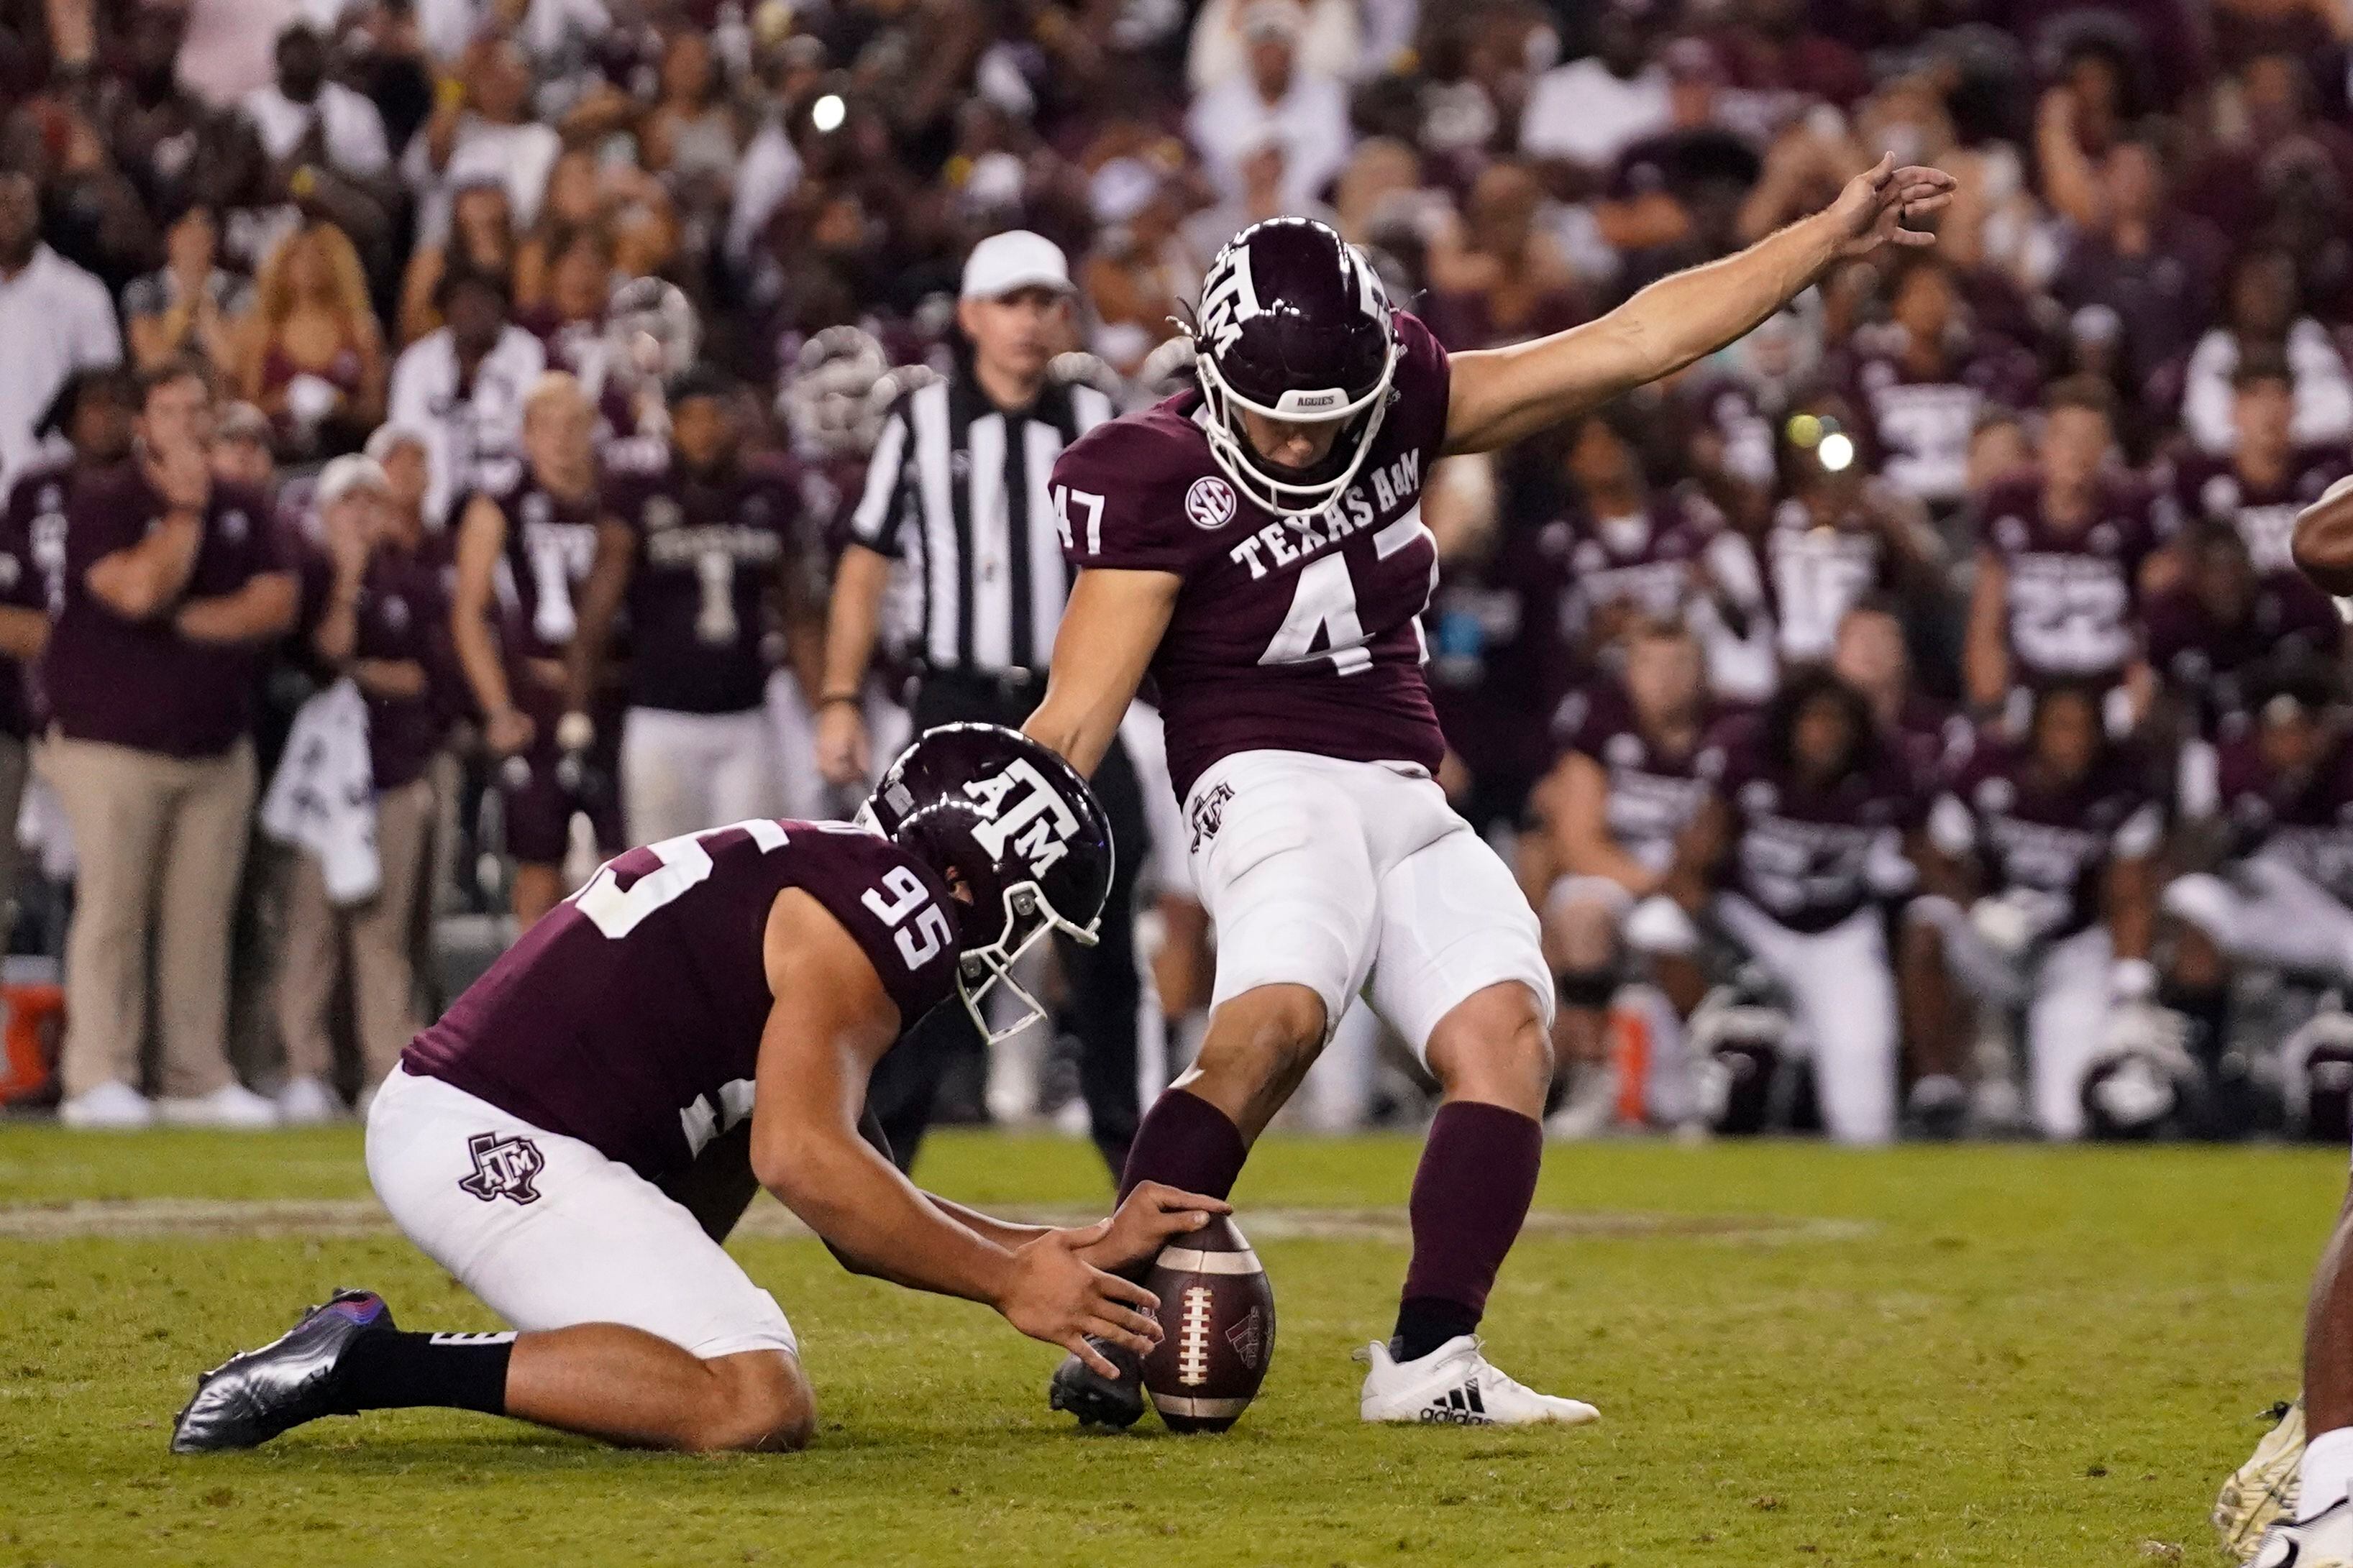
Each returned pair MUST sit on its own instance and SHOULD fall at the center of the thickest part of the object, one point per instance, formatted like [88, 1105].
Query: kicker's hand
[1876, 205]
[1055, 1295]
[1148, 1219]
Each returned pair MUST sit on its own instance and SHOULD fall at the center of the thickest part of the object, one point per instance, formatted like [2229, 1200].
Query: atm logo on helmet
[1229, 299]
[1039, 824]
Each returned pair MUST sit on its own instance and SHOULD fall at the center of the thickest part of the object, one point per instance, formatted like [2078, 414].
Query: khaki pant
[376, 935]
[160, 841]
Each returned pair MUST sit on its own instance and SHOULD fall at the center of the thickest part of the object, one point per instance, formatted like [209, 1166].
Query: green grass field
[1803, 1355]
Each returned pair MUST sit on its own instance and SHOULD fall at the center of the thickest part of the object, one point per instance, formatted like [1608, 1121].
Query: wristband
[850, 696]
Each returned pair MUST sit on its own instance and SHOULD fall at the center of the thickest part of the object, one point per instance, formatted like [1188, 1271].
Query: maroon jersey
[630, 1016]
[2205, 659]
[1921, 425]
[1292, 635]
[2046, 845]
[1654, 561]
[551, 544]
[32, 573]
[1653, 794]
[1809, 857]
[2073, 593]
[403, 616]
[2307, 822]
[141, 683]
[2263, 516]
[709, 549]
[1496, 655]
[1933, 741]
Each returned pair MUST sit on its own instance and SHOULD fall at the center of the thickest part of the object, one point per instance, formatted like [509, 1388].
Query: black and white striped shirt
[957, 490]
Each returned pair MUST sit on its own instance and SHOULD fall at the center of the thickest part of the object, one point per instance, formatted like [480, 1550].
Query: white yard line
[202, 1218]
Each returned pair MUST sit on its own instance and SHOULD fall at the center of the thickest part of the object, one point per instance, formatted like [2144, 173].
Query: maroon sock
[1477, 1177]
[1187, 1143]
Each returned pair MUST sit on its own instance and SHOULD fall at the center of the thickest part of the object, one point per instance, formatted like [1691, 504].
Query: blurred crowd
[2003, 521]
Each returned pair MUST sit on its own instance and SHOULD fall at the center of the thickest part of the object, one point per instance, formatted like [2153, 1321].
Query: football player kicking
[577, 1136]
[1256, 545]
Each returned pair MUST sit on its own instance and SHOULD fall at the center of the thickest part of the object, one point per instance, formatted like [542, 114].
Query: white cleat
[232, 1106]
[2264, 1488]
[307, 1102]
[112, 1107]
[1455, 1385]
[2325, 1541]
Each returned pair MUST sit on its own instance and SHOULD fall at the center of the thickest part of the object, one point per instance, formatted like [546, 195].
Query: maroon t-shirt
[2213, 489]
[2049, 843]
[2073, 591]
[630, 1016]
[141, 683]
[1653, 793]
[403, 615]
[1653, 561]
[2306, 822]
[708, 552]
[2205, 658]
[1921, 424]
[1497, 654]
[1803, 855]
[1289, 636]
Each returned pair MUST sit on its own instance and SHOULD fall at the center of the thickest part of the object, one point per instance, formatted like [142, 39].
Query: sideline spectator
[190, 305]
[482, 131]
[462, 386]
[54, 318]
[1279, 100]
[313, 359]
[173, 589]
[376, 605]
[306, 118]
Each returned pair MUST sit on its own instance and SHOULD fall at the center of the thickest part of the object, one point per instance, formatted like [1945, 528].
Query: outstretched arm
[1501, 395]
[816, 1055]
[1110, 629]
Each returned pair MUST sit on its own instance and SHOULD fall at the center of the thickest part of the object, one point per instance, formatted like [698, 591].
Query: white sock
[2326, 1469]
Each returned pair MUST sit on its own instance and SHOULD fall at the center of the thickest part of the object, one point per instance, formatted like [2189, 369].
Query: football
[1216, 1322]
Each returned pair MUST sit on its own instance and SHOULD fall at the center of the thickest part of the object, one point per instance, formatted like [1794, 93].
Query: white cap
[348, 473]
[390, 439]
[1012, 260]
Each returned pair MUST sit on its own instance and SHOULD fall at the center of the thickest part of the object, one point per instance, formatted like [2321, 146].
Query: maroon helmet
[1293, 325]
[1013, 822]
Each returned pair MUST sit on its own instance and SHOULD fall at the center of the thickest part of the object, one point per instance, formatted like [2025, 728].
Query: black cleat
[255, 1395]
[1095, 1399]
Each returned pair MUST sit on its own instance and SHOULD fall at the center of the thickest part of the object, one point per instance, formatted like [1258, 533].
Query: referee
[956, 491]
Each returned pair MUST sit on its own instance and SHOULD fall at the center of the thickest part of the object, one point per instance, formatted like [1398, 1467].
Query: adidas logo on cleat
[1463, 1407]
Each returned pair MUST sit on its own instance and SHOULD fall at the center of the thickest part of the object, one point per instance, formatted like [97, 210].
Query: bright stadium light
[1837, 450]
[828, 112]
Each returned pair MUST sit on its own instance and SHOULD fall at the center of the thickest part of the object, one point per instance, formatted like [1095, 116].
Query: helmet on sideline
[1293, 325]
[1016, 834]
[827, 399]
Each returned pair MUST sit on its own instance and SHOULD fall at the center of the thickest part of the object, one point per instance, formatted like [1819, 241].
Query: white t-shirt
[516, 156]
[468, 440]
[1310, 121]
[1582, 112]
[54, 318]
[354, 130]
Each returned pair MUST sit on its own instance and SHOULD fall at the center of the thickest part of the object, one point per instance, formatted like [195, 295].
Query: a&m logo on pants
[503, 1168]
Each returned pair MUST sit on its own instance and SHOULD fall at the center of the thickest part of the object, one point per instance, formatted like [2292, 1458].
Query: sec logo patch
[1210, 502]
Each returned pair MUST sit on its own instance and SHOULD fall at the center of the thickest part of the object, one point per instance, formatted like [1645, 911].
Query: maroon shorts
[543, 788]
